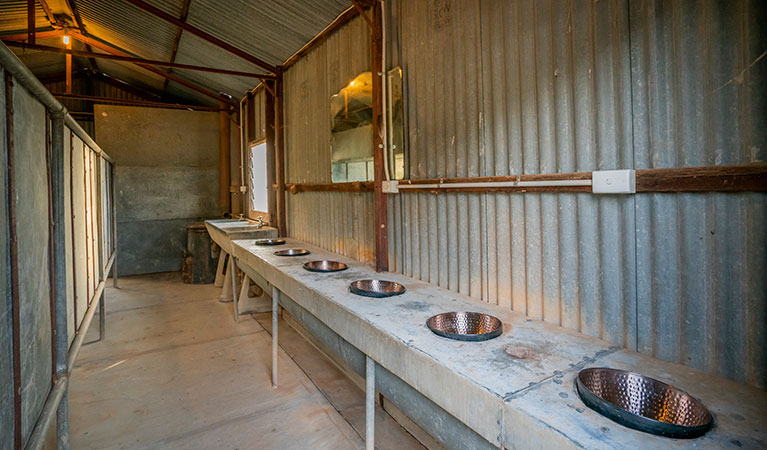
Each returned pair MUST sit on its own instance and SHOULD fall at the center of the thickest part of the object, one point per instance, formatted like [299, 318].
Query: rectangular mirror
[351, 133]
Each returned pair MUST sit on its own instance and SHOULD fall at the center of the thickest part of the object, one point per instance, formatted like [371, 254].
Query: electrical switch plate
[390, 187]
[613, 182]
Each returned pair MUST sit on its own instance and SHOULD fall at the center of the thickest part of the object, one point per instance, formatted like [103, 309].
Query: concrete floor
[175, 371]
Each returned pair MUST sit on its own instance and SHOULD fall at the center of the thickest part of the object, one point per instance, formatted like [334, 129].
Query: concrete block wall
[166, 176]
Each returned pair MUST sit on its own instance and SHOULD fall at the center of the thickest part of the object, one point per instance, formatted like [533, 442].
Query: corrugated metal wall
[259, 115]
[342, 222]
[522, 88]
[498, 88]
[495, 88]
[699, 72]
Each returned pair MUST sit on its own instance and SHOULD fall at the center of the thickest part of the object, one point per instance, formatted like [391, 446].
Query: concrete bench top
[224, 231]
[517, 403]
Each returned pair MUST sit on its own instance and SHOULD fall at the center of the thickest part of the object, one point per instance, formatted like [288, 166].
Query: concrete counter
[224, 231]
[517, 403]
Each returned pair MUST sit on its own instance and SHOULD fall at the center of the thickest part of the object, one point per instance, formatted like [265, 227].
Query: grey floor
[176, 372]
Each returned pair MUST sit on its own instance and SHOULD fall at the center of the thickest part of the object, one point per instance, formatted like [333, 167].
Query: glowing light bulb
[65, 39]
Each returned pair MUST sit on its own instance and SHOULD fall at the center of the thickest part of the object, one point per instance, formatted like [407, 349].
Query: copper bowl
[643, 403]
[270, 241]
[465, 326]
[325, 266]
[376, 288]
[292, 252]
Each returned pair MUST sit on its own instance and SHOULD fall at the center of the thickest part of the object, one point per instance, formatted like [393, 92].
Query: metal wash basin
[643, 403]
[269, 241]
[325, 266]
[465, 326]
[292, 252]
[376, 288]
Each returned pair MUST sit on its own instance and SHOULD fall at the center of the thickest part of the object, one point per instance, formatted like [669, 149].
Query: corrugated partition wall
[341, 222]
[699, 74]
[498, 88]
[85, 169]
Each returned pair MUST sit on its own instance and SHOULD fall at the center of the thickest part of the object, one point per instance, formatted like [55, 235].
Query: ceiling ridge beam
[203, 35]
[109, 48]
[131, 59]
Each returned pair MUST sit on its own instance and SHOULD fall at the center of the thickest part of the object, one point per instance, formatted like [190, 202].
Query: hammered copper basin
[376, 288]
[643, 403]
[292, 252]
[465, 326]
[325, 266]
[270, 241]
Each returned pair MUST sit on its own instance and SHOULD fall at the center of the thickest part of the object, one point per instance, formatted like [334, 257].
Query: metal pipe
[13, 251]
[497, 184]
[370, 403]
[275, 347]
[23, 75]
[39, 433]
[62, 422]
[78, 341]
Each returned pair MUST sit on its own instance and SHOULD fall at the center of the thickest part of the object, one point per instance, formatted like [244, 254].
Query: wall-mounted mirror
[351, 132]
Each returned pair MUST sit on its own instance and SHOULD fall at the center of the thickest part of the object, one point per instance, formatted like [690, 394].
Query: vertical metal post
[235, 297]
[62, 422]
[102, 316]
[370, 403]
[275, 346]
[58, 204]
[114, 273]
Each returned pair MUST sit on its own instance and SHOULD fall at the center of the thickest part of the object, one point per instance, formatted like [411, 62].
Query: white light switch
[613, 182]
[390, 187]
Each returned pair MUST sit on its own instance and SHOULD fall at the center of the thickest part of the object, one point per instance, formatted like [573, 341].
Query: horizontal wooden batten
[740, 178]
[354, 186]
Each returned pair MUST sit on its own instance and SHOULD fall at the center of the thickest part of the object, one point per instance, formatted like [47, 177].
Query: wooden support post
[279, 109]
[31, 28]
[381, 218]
[271, 195]
[69, 68]
[223, 161]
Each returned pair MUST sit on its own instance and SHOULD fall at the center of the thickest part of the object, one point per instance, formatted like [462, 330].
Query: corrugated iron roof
[271, 31]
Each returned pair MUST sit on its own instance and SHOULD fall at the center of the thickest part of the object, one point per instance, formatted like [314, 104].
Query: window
[259, 205]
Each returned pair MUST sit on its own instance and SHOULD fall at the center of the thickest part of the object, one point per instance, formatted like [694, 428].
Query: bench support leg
[275, 346]
[370, 403]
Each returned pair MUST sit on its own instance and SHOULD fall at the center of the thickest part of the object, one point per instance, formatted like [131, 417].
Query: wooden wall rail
[736, 178]
[740, 178]
[353, 186]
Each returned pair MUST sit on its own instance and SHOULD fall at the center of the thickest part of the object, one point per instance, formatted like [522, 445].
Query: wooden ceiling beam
[109, 48]
[130, 59]
[39, 35]
[80, 26]
[144, 103]
[203, 35]
[177, 39]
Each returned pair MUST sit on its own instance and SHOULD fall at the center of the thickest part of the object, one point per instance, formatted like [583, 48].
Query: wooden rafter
[131, 59]
[39, 34]
[80, 26]
[145, 103]
[109, 48]
[203, 35]
[177, 39]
